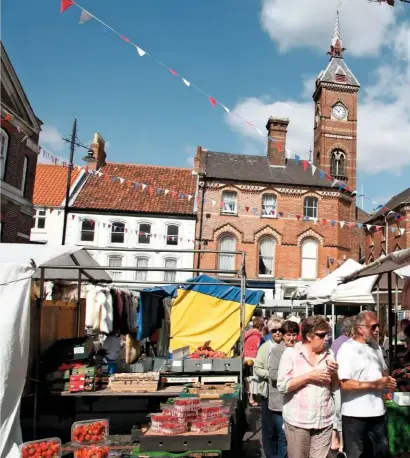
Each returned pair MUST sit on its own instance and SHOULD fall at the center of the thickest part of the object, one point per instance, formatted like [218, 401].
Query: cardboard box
[86, 370]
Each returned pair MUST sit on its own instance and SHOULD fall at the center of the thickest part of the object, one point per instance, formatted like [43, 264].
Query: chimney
[199, 160]
[277, 129]
[98, 149]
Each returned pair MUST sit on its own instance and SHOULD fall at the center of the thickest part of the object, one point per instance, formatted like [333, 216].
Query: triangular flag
[226, 109]
[259, 131]
[321, 174]
[359, 225]
[254, 209]
[402, 231]
[333, 222]
[313, 169]
[342, 223]
[378, 228]
[173, 72]
[351, 225]
[315, 220]
[213, 203]
[124, 38]
[140, 51]
[189, 197]
[305, 164]
[298, 217]
[166, 191]
[393, 229]
[143, 186]
[335, 183]
[369, 226]
[85, 16]
[186, 82]
[280, 214]
[297, 158]
[213, 101]
[121, 180]
[247, 209]
[65, 4]
[73, 216]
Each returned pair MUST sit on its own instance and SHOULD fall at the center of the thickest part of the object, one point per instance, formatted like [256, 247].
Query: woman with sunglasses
[307, 377]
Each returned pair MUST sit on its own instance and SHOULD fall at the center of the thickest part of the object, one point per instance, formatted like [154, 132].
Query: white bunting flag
[140, 51]
[226, 109]
[213, 203]
[186, 82]
[402, 231]
[369, 226]
[259, 131]
[315, 220]
[143, 186]
[335, 183]
[85, 16]
[313, 169]
[166, 191]
[342, 223]
[121, 180]
[189, 197]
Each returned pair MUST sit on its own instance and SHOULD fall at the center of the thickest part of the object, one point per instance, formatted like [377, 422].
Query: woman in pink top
[252, 340]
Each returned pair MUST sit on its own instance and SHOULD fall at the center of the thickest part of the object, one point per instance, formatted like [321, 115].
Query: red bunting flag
[65, 4]
[252, 125]
[73, 216]
[7, 117]
[124, 38]
[213, 101]
[173, 72]
[298, 217]
[247, 209]
[351, 225]
[305, 164]
[324, 222]
[151, 190]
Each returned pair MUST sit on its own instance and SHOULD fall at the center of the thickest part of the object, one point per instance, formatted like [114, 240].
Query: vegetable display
[46, 448]
[207, 352]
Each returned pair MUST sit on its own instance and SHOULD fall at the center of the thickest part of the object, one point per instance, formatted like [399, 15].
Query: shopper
[363, 376]
[252, 341]
[345, 336]
[307, 376]
[261, 369]
[290, 331]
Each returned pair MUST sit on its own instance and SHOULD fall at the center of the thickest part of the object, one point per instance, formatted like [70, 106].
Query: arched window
[87, 230]
[309, 259]
[318, 157]
[338, 163]
[4, 146]
[267, 247]
[310, 207]
[172, 234]
[115, 261]
[144, 233]
[170, 275]
[117, 232]
[268, 205]
[229, 202]
[141, 275]
[226, 261]
[24, 177]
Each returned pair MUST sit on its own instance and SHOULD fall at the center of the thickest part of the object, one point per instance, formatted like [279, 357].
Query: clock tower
[335, 131]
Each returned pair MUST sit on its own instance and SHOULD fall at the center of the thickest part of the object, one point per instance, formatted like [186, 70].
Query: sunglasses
[275, 330]
[321, 335]
[373, 326]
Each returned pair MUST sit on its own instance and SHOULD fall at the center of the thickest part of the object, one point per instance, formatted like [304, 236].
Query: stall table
[169, 392]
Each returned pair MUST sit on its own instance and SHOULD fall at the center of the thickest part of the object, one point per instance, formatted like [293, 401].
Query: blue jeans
[273, 436]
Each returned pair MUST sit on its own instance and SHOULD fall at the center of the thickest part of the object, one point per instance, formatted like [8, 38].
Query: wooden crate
[134, 386]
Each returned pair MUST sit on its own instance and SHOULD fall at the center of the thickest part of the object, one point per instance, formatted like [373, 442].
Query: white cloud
[51, 138]
[190, 151]
[383, 113]
[301, 23]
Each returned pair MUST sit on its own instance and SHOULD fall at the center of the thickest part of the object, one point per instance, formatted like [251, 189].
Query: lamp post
[89, 158]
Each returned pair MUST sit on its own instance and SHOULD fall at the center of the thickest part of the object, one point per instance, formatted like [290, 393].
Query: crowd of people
[317, 395]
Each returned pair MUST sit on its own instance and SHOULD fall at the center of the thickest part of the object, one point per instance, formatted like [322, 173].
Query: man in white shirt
[363, 378]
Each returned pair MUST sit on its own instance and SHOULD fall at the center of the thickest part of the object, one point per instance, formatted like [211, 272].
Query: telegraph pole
[70, 168]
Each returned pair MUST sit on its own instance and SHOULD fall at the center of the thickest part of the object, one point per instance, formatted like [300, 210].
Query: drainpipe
[201, 218]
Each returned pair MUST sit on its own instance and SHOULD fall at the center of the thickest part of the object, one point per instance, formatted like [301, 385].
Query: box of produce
[89, 371]
[180, 415]
[158, 418]
[209, 425]
[211, 410]
[58, 375]
[92, 451]
[91, 431]
[187, 404]
[170, 428]
[50, 448]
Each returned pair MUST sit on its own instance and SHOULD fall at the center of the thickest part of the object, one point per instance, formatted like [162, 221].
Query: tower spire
[336, 48]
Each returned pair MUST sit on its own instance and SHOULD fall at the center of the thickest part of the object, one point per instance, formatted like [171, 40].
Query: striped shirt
[309, 407]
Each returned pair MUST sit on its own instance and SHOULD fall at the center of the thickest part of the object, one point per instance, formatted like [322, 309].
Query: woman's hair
[348, 324]
[274, 322]
[313, 324]
[258, 322]
[290, 327]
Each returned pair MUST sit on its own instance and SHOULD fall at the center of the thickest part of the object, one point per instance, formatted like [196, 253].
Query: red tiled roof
[102, 193]
[50, 184]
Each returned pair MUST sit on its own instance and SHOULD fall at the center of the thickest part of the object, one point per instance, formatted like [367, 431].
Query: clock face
[339, 111]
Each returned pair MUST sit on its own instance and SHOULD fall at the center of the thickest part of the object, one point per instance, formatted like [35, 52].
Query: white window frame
[227, 207]
[4, 148]
[308, 258]
[314, 208]
[140, 275]
[264, 213]
[113, 223]
[273, 240]
[139, 230]
[338, 155]
[173, 273]
[177, 236]
[233, 256]
[81, 231]
[115, 273]
[39, 216]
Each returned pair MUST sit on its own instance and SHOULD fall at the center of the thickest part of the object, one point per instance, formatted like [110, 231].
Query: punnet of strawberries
[46, 448]
[206, 352]
[94, 451]
[89, 431]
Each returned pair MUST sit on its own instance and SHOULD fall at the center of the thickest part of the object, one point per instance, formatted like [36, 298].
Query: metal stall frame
[241, 272]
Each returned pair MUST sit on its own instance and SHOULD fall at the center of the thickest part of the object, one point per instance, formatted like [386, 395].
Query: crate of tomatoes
[92, 451]
[90, 431]
[45, 448]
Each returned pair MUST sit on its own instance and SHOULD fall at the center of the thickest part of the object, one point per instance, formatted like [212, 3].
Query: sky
[259, 58]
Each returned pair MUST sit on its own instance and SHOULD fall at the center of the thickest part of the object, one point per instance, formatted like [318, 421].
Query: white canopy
[321, 291]
[356, 292]
[18, 265]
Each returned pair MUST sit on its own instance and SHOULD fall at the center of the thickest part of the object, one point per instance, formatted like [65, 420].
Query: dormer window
[340, 78]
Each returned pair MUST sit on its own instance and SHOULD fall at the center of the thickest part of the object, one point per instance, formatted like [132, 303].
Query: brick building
[393, 222]
[19, 138]
[294, 226]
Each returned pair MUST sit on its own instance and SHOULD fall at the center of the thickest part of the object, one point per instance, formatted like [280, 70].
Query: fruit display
[203, 426]
[187, 415]
[46, 448]
[205, 352]
[187, 404]
[89, 431]
[211, 410]
[170, 428]
[92, 451]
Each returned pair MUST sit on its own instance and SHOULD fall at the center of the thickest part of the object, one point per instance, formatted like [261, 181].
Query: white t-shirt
[363, 363]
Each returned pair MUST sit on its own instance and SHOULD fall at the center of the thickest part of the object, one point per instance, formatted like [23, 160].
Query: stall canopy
[357, 292]
[19, 263]
[202, 312]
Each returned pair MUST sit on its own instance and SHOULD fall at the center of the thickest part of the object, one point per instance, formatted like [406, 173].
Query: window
[170, 275]
[40, 218]
[310, 207]
[144, 233]
[117, 232]
[229, 199]
[318, 158]
[172, 234]
[24, 177]
[4, 145]
[226, 261]
[340, 78]
[87, 230]
[268, 205]
[267, 247]
[309, 259]
[338, 164]
[141, 275]
[115, 261]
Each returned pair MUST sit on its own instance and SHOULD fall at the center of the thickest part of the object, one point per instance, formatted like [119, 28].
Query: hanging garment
[116, 311]
[165, 332]
[405, 295]
[151, 314]
[132, 349]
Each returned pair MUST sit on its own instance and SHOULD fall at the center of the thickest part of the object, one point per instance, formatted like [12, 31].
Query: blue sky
[258, 57]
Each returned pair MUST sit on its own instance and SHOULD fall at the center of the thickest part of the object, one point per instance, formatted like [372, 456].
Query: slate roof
[338, 66]
[399, 199]
[50, 184]
[361, 215]
[102, 193]
[251, 168]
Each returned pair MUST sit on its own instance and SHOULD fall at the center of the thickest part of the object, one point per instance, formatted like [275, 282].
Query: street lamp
[74, 141]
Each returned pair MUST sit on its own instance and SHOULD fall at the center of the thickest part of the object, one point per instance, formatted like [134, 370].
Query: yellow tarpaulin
[197, 318]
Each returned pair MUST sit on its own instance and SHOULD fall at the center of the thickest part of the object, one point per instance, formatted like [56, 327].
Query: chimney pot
[277, 129]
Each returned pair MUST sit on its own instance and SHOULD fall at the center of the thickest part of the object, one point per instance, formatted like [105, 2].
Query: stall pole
[396, 308]
[242, 321]
[78, 311]
[324, 310]
[333, 321]
[37, 351]
[378, 302]
[390, 320]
